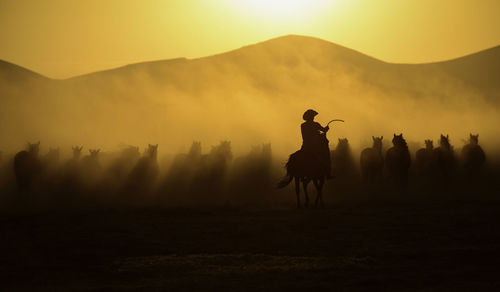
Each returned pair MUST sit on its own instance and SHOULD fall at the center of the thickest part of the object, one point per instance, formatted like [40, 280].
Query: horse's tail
[284, 182]
[291, 169]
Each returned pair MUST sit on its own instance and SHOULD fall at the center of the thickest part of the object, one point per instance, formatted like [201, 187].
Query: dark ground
[431, 245]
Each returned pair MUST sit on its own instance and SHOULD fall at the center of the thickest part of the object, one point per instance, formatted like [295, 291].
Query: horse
[91, 168]
[305, 167]
[72, 165]
[72, 172]
[181, 173]
[473, 156]
[342, 159]
[425, 158]
[445, 158]
[398, 161]
[255, 165]
[145, 172]
[27, 167]
[372, 161]
[212, 170]
[184, 164]
[199, 177]
[121, 166]
[51, 170]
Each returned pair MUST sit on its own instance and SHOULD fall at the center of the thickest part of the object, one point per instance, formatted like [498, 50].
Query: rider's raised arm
[322, 129]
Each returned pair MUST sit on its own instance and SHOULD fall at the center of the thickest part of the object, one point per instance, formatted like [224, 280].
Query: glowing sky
[61, 38]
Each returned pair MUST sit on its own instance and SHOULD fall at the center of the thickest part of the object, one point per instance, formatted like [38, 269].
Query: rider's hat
[309, 114]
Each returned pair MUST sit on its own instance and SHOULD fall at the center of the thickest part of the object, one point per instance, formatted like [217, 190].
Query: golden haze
[257, 95]
[61, 38]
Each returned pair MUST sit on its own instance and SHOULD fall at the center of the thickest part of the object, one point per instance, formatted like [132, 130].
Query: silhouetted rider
[314, 141]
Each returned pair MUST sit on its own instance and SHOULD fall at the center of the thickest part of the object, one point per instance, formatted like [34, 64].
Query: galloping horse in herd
[398, 161]
[473, 156]
[372, 161]
[27, 167]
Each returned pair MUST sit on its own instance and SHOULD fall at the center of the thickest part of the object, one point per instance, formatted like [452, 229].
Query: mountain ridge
[490, 52]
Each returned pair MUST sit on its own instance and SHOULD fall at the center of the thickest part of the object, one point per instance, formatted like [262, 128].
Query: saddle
[308, 161]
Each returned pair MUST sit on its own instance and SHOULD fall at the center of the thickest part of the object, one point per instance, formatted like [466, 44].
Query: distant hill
[251, 94]
[11, 73]
[479, 70]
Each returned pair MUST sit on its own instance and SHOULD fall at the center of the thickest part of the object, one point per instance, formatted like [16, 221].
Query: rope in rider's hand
[328, 124]
[336, 120]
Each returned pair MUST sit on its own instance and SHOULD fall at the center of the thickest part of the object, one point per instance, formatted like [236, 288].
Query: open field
[416, 245]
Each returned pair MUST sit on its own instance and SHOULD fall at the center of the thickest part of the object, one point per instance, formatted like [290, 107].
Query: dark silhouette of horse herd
[134, 177]
[198, 177]
[440, 162]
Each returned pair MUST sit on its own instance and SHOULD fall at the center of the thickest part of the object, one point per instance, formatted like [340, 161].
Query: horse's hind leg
[297, 190]
[305, 183]
[319, 188]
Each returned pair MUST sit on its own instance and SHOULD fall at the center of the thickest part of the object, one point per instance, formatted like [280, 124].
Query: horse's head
[266, 151]
[399, 141]
[444, 141]
[266, 148]
[429, 144]
[474, 139]
[94, 153]
[152, 151]
[195, 150]
[343, 144]
[377, 142]
[34, 148]
[222, 150]
[77, 151]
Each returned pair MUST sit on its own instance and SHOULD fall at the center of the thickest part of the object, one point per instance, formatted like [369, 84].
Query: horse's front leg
[318, 183]
[297, 190]
[305, 183]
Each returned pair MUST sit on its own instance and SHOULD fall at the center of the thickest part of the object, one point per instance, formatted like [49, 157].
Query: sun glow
[281, 9]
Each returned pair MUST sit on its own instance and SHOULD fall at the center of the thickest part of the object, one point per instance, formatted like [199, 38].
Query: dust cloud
[251, 97]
